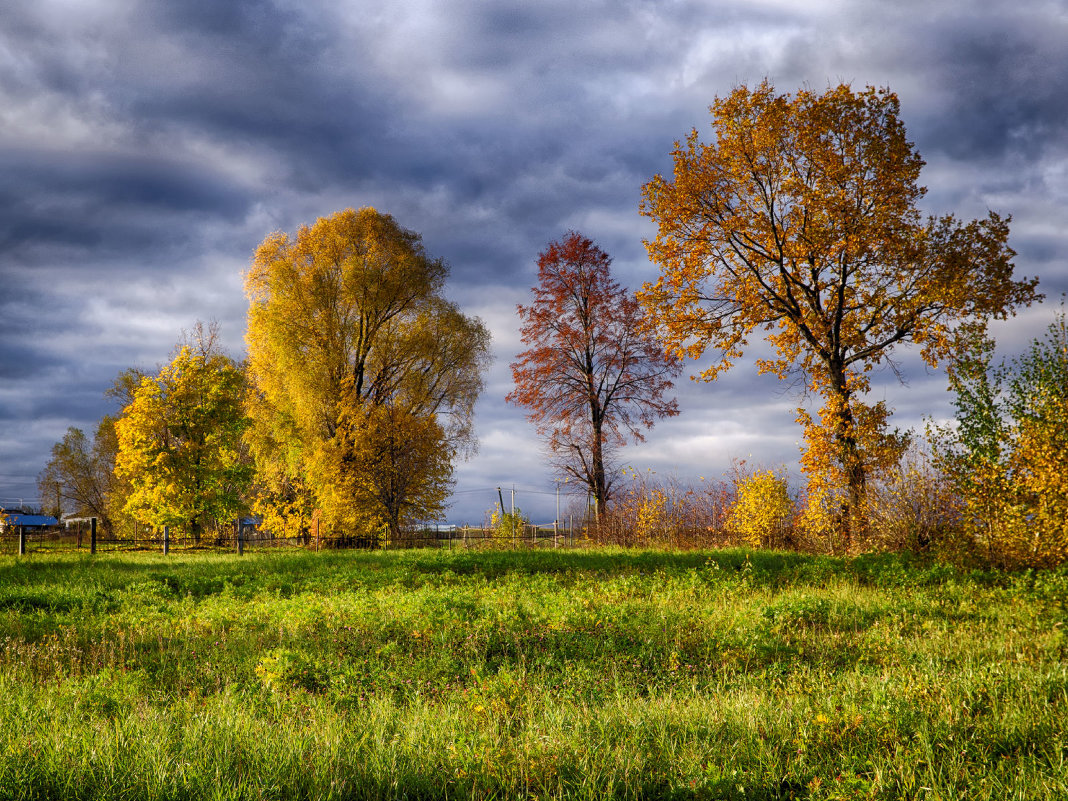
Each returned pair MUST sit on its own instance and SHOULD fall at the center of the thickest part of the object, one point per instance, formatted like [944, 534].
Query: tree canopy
[591, 376]
[79, 478]
[799, 222]
[350, 313]
[393, 465]
[180, 443]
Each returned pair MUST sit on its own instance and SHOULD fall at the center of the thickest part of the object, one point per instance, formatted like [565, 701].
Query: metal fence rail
[84, 539]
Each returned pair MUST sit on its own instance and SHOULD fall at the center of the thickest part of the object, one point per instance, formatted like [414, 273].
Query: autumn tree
[590, 377]
[79, 478]
[799, 223]
[349, 313]
[180, 441]
[1006, 452]
[392, 465]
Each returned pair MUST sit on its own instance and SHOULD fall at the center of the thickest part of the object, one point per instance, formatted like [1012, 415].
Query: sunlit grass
[570, 674]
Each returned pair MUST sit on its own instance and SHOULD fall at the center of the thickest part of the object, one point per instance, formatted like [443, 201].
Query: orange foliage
[590, 375]
[799, 223]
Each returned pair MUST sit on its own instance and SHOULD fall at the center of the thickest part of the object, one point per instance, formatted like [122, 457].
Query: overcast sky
[147, 147]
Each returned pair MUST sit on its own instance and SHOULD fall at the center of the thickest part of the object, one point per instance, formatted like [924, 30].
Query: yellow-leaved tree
[1007, 453]
[392, 465]
[799, 223]
[180, 442]
[346, 316]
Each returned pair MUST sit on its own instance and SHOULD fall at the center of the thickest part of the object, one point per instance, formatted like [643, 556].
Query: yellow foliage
[1037, 524]
[346, 316]
[1008, 454]
[389, 468]
[762, 509]
[179, 443]
[650, 514]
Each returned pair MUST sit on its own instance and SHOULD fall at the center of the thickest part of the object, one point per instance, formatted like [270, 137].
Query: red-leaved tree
[590, 377]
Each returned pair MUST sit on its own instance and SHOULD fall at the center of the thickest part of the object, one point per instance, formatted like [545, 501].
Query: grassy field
[545, 674]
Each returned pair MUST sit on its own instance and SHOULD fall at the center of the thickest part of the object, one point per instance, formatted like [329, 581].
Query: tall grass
[589, 674]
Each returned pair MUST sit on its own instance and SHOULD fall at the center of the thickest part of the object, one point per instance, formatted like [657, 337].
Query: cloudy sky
[148, 146]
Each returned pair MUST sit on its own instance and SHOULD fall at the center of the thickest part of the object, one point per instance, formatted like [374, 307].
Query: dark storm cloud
[20, 360]
[1000, 79]
[109, 204]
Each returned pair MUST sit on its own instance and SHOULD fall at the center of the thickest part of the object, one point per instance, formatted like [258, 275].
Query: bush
[508, 524]
[913, 507]
[1007, 454]
[650, 511]
[763, 510]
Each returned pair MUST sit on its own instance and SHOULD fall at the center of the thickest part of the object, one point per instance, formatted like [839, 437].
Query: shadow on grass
[291, 571]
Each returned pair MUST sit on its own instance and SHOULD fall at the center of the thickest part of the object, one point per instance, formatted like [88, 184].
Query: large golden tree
[346, 316]
[799, 223]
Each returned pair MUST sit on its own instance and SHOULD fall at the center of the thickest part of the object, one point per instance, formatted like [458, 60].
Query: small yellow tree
[180, 446]
[1008, 452]
[762, 509]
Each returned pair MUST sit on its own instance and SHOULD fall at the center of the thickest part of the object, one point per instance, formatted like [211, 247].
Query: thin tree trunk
[853, 468]
[600, 491]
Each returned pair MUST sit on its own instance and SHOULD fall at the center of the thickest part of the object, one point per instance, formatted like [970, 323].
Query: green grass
[552, 674]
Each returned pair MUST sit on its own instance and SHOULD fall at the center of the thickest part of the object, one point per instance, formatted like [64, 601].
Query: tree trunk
[854, 513]
[394, 529]
[598, 484]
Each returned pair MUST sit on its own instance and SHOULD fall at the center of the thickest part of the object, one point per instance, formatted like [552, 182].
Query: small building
[13, 518]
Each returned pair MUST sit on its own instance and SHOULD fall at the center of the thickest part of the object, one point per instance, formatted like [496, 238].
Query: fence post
[22, 541]
[240, 538]
[166, 540]
[92, 535]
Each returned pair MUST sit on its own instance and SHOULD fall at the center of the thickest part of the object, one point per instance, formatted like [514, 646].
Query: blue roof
[22, 519]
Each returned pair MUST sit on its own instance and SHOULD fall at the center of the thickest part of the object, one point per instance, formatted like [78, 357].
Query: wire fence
[83, 538]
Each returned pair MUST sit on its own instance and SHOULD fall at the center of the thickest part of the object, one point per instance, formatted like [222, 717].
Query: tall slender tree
[591, 377]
